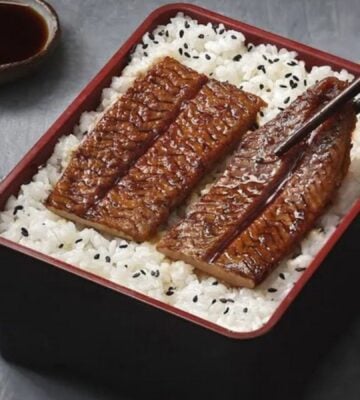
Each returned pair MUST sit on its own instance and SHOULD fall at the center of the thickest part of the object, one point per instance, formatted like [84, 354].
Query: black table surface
[92, 31]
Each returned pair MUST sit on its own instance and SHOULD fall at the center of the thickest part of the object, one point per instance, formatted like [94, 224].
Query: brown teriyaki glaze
[209, 126]
[253, 180]
[310, 188]
[23, 32]
[122, 135]
[249, 181]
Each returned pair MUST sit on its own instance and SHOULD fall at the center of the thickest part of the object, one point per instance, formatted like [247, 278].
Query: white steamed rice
[215, 52]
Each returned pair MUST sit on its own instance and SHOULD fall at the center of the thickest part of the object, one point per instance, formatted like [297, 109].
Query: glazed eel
[253, 184]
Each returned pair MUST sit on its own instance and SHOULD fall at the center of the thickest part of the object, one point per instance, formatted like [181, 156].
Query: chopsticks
[331, 107]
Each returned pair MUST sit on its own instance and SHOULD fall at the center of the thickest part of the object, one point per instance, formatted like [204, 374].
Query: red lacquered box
[53, 313]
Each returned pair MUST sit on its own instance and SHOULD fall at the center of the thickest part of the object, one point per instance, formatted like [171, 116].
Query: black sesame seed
[186, 54]
[107, 259]
[245, 310]
[215, 283]
[293, 84]
[280, 108]
[300, 269]
[196, 57]
[283, 86]
[286, 100]
[250, 47]
[221, 31]
[275, 60]
[292, 63]
[24, 232]
[270, 61]
[123, 246]
[161, 33]
[237, 57]
[145, 54]
[61, 245]
[78, 240]
[262, 68]
[180, 51]
[170, 291]
[288, 75]
[241, 87]
[96, 256]
[145, 46]
[151, 36]
[125, 265]
[282, 276]
[195, 299]
[296, 78]
[272, 290]
[136, 275]
[261, 113]
[155, 42]
[156, 273]
[167, 33]
[207, 56]
[186, 45]
[181, 33]
[226, 310]
[268, 90]
[305, 82]
[233, 37]
[223, 300]
[187, 25]
[201, 36]
[264, 57]
[261, 86]
[143, 272]
[17, 208]
[214, 301]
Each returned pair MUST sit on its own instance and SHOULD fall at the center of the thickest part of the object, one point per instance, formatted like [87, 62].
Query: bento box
[55, 314]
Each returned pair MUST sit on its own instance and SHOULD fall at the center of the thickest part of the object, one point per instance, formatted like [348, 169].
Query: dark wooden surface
[92, 31]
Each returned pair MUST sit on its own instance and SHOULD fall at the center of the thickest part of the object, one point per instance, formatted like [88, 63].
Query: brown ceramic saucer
[17, 69]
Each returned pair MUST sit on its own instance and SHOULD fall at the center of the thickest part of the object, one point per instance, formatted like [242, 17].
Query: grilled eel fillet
[247, 182]
[209, 125]
[250, 220]
[122, 135]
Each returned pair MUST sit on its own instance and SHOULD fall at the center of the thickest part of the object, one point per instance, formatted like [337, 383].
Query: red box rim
[14, 179]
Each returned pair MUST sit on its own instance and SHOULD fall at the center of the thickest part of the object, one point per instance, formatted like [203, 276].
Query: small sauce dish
[29, 32]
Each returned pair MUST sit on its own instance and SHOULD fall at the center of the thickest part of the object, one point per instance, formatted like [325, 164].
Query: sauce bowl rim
[49, 44]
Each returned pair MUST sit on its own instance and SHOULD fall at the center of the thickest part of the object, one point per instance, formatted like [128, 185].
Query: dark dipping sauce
[23, 32]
